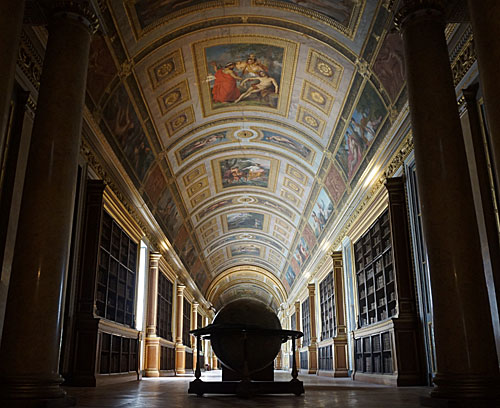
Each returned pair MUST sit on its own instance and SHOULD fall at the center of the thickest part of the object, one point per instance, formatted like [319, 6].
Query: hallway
[319, 392]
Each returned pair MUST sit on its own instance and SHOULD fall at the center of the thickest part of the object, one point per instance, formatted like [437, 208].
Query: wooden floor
[319, 392]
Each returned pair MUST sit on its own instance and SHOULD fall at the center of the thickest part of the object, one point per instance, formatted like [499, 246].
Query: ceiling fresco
[246, 124]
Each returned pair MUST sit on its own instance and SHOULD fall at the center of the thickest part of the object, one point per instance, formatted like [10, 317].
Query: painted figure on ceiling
[251, 67]
[263, 86]
[225, 88]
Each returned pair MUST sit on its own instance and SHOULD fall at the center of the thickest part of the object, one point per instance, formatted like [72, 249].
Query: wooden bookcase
[375, 273]
[105, 342]
[387, 342]
[306, 323]
[325, 358]
[164, 308]
[186, 323]
[373, 354]
[327, 307]
[167, 359]
[116, 276]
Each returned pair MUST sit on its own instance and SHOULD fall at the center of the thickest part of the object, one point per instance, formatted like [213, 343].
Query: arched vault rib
[245, 276]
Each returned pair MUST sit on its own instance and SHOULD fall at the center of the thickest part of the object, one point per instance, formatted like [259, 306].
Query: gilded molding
[389, 5]
[31, 106]
[349, 31]
[94, 163]
[363, 68]
[321, 263]
[396, 162]
[463, 57]
[125, 69]
[29, 61]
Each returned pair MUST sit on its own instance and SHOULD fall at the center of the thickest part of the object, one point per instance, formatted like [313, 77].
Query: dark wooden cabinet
[164, 308]
[106, 344]
[387, 342]
[375, 273]
[306, 323]
[325, 358]
[116, 275]
[373, 354]
[327, 307]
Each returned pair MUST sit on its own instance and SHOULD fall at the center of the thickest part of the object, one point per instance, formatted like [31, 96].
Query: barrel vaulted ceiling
[250, 163]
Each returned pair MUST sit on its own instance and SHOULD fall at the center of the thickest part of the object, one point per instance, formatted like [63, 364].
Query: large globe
[261, 348]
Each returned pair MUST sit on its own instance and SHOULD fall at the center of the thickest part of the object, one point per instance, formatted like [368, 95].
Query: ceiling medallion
[317, 97]
[246, 200]
[246, 236]
[244, 134]
[179, 121]
[172, 98]
[325, 69]
[311, 121]
[165, 69]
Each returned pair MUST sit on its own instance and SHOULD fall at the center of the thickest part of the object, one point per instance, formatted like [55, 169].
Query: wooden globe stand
[245, 387]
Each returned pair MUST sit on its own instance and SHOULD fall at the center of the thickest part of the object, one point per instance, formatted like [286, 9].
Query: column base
[466, 387]
[180, 359]
[151, 373]
[340, 373]
[312, 359]
[152, 357]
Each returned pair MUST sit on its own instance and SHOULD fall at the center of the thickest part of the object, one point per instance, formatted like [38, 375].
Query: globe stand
[245, 387]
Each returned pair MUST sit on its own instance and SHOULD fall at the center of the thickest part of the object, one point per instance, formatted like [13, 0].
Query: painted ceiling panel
[246, 124]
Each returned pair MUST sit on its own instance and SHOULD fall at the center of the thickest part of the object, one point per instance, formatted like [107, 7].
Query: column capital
[154, 256]
[311, 287]
[194, 306]
[180, 289]
[410, 10]
[336, 258]
[297, 306]
[78, 11]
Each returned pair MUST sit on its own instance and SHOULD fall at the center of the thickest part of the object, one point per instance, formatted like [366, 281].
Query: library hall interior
[209, 203]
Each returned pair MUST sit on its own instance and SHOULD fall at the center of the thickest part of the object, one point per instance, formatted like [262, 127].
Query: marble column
[11, 21]
[194, 326]
[484, 16]
[313, 347]
[297, 325]
[180, 349]
[152, 340]
[32, 331]
[465, 348]
[340, 368]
